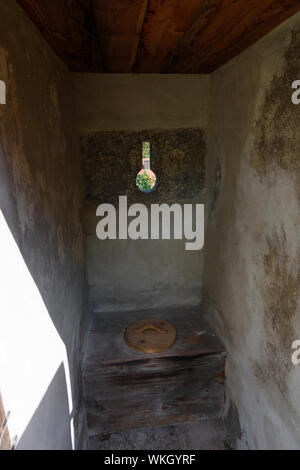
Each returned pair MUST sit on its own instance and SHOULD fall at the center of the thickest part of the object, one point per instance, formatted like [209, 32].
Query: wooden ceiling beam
[166, 22]
[154, 36]
[225, 29]
[119, 25]
[207, 8]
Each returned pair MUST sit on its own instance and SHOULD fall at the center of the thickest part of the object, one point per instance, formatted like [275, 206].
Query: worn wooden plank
[165, 24]
[105, 344]
[176, 37]
[126, 389]
[69, 28]
[156, 393]
[119, 24]
[118, 52]
[224, 30]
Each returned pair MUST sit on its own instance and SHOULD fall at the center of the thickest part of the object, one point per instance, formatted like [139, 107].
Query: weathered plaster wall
[40, 198]
[116, 113]
[109, 102]
[252, 273]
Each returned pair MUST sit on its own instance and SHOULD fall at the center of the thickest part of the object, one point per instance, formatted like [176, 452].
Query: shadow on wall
[34, 371]
[56, 398]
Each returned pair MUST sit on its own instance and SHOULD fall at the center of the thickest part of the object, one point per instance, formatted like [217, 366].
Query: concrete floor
[209, 435]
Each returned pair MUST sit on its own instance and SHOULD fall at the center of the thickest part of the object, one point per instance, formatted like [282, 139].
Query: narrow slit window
[146, 179]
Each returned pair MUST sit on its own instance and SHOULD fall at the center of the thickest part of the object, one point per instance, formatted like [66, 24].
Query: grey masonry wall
[40, 198]
[252, 275]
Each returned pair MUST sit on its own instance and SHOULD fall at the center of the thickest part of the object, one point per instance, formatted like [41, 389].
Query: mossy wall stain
[281, 293]
[277, 145]
[277, 129]
[113, 159]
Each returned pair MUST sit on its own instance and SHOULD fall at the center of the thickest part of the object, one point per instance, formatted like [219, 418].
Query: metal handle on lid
[151, 327]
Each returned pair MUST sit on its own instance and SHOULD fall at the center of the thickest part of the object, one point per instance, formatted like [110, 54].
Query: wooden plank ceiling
[154, 36]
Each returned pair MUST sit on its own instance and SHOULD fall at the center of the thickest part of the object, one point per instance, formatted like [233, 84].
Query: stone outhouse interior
[213, 86]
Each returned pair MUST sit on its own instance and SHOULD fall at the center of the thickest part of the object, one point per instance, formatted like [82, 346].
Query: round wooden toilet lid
[150, 335]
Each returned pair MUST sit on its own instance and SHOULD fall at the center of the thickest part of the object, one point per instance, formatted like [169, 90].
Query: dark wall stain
[217, 182]
[113, 159]
[277, 130]
[233, 426]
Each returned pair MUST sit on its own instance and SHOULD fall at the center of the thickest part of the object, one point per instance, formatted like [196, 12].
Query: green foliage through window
[144, 182]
